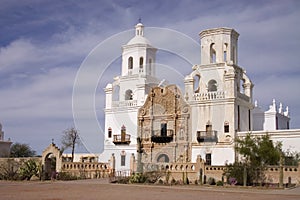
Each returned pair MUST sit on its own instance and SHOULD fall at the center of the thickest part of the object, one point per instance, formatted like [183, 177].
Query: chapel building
[160, 124]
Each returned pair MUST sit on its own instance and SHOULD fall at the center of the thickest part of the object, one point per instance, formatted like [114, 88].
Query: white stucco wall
[220, 154]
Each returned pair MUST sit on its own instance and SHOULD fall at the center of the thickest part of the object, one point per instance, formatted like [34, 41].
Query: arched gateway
[51, 160]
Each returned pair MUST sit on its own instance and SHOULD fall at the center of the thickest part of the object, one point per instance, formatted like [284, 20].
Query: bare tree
[69, 140]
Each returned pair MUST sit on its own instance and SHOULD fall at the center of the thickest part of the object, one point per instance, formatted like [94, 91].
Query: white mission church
[171, 125]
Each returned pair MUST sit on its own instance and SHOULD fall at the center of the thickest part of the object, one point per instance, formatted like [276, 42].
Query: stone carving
[164, 108]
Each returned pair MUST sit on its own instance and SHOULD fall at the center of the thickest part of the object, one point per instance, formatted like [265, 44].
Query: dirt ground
[101, 189]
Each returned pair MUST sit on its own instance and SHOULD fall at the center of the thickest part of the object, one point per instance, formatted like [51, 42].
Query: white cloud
[41, 96]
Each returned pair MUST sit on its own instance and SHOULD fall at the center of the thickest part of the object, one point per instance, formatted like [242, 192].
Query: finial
[140, 20]
[52, 141]
[286, 113]
[280, 108]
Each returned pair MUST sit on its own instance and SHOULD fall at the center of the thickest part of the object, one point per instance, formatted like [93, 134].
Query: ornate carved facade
[164, 123]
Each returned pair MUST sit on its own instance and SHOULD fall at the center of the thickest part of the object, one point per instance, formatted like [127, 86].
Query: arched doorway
[50, 166]
[51, 160]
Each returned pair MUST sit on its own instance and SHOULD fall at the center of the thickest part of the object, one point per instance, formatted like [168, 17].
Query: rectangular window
[163, 130]
[208, 159]
[239, 120]
[226, 128]
[123, 159]
[109, 133]
[249, 116]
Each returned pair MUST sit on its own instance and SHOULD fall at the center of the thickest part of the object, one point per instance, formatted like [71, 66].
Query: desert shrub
[153, 177]
[123, 180]
[211, 181]
[65, 176]
[138, 178]
[28, 169]
[9, 170]
[219, 183]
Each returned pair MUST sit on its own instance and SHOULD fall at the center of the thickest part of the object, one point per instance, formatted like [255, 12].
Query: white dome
[139, 36]
[139, 40]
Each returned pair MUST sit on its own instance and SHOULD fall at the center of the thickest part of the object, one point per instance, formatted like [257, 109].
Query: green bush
[211, 181]
[138, 178]
[29, 169]
[220, 183]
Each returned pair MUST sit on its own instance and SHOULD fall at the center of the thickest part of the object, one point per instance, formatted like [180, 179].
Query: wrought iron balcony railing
[121, 139]
[207, 136]
[159, 137]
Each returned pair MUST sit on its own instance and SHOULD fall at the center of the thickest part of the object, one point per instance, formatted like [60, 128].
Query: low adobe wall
[87, 169]
[192, 171]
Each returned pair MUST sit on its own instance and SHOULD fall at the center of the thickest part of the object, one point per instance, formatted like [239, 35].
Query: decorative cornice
[216, 31]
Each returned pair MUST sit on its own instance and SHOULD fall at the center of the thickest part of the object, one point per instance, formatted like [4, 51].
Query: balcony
[121, 139]
[159, 137]
[207, 136]
[126, 103]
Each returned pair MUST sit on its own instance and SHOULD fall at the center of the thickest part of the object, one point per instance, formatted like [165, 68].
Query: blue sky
[43, 43]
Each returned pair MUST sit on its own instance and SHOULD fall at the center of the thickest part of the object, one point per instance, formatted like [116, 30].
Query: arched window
[212, 53]
[128, 95]
[141, 62]
[241, 88]
[196, 83]
[163, 158]
[225, 53]
[212, 86]
[130, 62]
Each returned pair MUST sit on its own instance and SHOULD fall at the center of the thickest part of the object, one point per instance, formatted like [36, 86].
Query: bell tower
[220, 95]
[125, 95]
[138, 55]
[219, 45]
